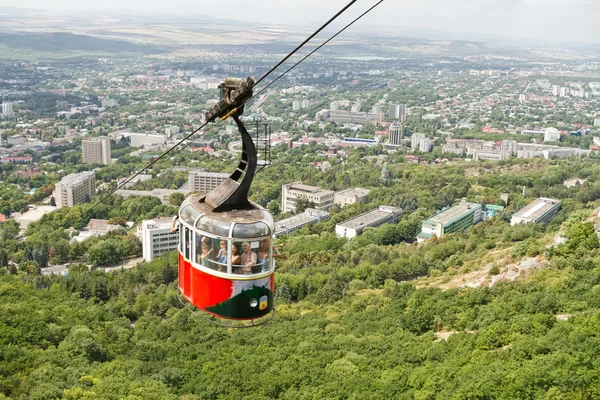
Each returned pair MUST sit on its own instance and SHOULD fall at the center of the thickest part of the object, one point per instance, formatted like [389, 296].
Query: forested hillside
[354, 318]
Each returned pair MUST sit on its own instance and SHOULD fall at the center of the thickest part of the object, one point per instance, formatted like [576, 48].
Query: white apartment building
[204, 182]
[96, 150]
[7, 109]
[350, 196]
[551, 135]
[75, 188]
[157, 238]
[425, 145]
[415, 140]
[322, 199]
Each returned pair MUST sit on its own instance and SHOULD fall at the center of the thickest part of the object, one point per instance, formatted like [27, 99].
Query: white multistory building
[425, 145]
[415, 140]
[551, 135]
[204, 182]
[75, 189]
[319, 198]
[7, 109]
[157, 238]
[96, 150]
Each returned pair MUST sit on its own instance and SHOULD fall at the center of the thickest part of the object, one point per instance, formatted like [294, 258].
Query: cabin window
[211, 252]
[251, 257]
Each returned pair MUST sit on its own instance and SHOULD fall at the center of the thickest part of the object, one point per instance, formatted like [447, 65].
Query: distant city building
[16, 160]
[415, 140]
[355, 226]
[398, 111]
[350, 196]
[305, 104]
[171, 130]
[320, 198]
[454, 219]
[157, 238]
[533, 132]
[147, 139]
[596, 121]
[540, 210]
[564, 91]
[396, 134]
[349, 117]
[7, 109]
[75, 189]
[96, 150]
[357, 106]
[551, 135]
[204, 182]
[309, 216]
[16, 140]
[334, 106]
[296, 105]
[555, 90]
[425, 145]
[108, 103]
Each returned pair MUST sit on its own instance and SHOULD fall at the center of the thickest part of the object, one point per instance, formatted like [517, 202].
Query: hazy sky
[577, 20]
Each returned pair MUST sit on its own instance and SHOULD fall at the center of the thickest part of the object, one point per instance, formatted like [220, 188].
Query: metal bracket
[234, 93]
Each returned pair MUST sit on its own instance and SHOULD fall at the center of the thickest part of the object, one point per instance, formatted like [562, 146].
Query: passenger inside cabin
[248, 258]
[222, 256]
[206, 251]
[263, 255]
[236, 258]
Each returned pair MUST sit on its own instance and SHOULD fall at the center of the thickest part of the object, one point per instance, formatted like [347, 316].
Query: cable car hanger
[153, 162]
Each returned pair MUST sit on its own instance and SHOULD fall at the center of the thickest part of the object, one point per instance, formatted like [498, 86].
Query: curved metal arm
[233, 193]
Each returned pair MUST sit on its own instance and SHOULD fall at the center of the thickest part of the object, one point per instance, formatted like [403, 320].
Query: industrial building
[355, 226]
[157, 238]
[309, 216]
[96, 150]
[454, 219]
[540, 210]
[204, 182]
[320, 198]
[75, 188]
[350, 196]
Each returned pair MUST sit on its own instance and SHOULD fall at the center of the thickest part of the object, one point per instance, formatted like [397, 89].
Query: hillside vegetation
[351, 321]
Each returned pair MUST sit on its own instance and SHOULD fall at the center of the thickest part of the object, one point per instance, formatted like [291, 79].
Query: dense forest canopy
[375, 317]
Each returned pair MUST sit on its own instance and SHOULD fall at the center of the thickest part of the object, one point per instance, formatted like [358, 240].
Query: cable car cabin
[226, 261]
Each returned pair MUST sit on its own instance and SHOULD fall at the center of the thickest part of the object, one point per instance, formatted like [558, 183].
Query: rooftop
[305, 188]
[211, 174]
[158, 223]
[360, 192]
[369, 218]
[536, 209]
[308, 215]
[453, 213]
[76, 178]
[33, 215]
